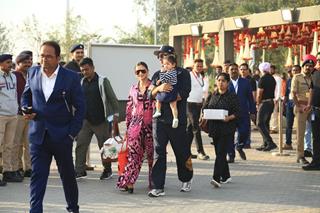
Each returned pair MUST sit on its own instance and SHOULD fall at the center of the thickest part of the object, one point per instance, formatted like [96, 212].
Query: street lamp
[286, 15]
[196, 29]
[239, 22]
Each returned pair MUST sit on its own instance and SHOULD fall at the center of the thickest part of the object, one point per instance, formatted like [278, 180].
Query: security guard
[300, 86]
[77, 52]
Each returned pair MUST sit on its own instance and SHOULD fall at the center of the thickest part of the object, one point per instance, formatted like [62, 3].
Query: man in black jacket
[163, 131]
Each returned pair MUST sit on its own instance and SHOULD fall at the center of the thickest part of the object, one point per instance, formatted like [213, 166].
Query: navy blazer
[245, 95]
[62, 114]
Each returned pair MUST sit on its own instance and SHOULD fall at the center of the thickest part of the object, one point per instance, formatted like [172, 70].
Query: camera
[27, 110]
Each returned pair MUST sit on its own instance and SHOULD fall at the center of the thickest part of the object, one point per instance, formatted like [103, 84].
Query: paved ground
[263, 183]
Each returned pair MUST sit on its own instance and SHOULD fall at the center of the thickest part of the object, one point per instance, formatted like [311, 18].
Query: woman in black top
[222, 131]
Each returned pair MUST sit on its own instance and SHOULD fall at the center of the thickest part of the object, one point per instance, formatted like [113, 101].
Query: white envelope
[214, 114]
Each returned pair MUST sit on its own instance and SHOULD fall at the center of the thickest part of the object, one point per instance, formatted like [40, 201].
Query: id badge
[307, 94]
[313, 116]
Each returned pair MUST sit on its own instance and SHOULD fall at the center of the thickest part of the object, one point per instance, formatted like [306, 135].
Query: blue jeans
[289, 121]
[307, 136]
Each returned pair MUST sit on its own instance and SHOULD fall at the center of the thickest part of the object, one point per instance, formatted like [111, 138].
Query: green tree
[5, 45]
[31, 32]
[172, 12]
[143, 35]
[78, 33]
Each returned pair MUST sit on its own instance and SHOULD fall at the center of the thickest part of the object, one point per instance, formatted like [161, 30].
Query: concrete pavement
[263, 183]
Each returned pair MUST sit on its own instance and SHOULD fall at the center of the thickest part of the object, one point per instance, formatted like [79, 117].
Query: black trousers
[193, 129]
[221, 167]
[41, 157]
[316, 138]
[162, 134]
[263, 121]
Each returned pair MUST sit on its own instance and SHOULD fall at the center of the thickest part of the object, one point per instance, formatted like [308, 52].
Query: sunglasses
[137, 72]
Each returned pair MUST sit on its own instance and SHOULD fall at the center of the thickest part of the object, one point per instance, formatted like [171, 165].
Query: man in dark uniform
[163, 131]
[77, 53]
[314, 105]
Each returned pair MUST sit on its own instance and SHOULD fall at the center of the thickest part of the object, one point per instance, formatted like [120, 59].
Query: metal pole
[155, 22]
[67, 28]
[280, 124]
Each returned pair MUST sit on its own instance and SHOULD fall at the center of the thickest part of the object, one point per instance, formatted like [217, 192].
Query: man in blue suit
[243, 90]
[53, 101]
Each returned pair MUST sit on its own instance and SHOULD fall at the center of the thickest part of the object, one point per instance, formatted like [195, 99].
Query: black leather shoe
[194, 156]
[307, 153]
[247, 146]
[270, 147]
[130, 190]
[261, 148]
[242, 154]
[106, 175]
[27, 173]
[230, 160]
[3, 183]
[311, 166]
[12, 177]
[302, 160]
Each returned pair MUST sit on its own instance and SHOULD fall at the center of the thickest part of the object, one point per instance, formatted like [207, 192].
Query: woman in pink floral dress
[139, 129]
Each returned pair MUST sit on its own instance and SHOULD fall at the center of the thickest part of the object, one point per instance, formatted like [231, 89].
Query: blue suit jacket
[245, 96]
[64, 111]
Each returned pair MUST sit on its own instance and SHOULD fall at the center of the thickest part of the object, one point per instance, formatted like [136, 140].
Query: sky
[100, 15]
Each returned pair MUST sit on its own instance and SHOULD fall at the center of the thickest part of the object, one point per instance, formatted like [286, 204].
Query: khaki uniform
[301, 86]
[22, 141]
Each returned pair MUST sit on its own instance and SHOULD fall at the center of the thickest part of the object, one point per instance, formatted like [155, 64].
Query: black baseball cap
[164, 49]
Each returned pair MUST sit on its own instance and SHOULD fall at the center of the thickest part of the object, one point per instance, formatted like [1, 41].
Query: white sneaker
[156, 114]
[156, 193]
[215, 183]
[228, 180]
[175, 123]
[186, 186]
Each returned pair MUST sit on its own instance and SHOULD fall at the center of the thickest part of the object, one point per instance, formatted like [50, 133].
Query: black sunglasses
[137, 72]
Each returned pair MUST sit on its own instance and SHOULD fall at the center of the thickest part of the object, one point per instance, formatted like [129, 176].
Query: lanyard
[200, 83]
[309, 86]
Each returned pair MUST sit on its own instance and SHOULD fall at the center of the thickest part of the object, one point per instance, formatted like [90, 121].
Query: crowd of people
[45, 108]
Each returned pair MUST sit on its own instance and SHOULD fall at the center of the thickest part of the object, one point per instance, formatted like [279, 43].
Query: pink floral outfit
[139, 135]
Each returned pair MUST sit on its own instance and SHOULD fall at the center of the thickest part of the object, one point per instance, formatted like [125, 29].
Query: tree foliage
[143, 35]
[77, 33]
[172, 12]
[5, 44]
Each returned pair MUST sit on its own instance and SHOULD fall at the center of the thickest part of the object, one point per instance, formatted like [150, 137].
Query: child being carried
[168, 75]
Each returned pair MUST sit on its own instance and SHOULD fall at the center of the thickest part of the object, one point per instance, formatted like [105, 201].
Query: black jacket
[228, 101]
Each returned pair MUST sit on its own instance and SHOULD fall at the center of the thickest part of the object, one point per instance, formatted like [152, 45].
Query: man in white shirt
[57, 110]
[194, 103]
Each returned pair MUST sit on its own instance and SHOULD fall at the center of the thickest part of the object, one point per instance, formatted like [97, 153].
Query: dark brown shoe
[89, 168]
[287, 147]
[273, 131]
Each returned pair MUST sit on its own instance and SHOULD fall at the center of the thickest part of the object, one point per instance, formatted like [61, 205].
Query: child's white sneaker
[156, 114]
[175, 123]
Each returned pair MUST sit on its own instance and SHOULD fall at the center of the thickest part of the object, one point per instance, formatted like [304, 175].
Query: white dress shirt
[48, 82]
[235, 85]
[196, 93]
